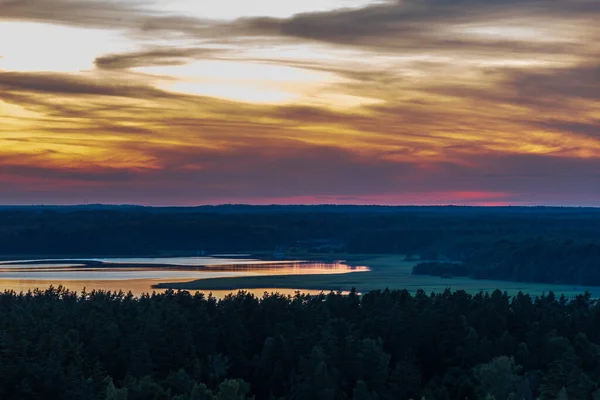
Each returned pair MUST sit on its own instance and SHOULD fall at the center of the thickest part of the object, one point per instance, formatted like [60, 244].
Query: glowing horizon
[337, 101]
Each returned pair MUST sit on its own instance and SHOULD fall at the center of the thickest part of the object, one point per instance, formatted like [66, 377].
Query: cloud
[292, 170]
[590, 129]
[154, 57]
[560, 100]
[425, 25]
[86, 13]
[581, 82]
[73, 85]
[385, 26]
[477, 101]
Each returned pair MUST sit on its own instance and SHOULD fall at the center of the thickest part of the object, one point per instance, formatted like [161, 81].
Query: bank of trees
[538, 260]
[385, 345]
[529, 260]
[453, 233]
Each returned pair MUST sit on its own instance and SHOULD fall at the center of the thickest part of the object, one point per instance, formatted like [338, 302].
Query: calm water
[139, 274]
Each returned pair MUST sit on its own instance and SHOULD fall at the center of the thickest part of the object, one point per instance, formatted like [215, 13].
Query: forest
[530, 260]
[529, 244]
[57, 344]
[432, 232]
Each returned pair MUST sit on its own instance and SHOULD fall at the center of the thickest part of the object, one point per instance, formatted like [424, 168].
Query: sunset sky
[187, 102]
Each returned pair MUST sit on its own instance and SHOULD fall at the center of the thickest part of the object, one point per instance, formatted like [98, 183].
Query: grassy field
[387, 271]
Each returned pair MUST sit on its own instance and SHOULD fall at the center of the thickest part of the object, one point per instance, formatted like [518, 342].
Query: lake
[139, 274]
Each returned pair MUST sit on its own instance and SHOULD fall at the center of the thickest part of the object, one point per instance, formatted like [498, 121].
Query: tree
[179, 382]
[361, 392]
[565, 373]
[201, 392]
[562, 395]
[316, 378]
[112, 393]
[498, 378]
[146, 389]
[233, 389]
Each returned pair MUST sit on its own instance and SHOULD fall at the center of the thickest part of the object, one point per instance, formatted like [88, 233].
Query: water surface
[139, 274]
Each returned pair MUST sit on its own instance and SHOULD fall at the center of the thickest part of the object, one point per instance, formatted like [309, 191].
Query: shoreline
[391, 272]
[324, 282]
[383, 270]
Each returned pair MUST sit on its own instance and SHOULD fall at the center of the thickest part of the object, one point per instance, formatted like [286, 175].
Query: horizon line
[90, 205]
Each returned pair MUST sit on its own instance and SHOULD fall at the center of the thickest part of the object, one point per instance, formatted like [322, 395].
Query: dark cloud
[580, 82]
[559, 100]
[136, 17]
[589, 128]
[180, 23]
[86, 13]
[66, 84]
[154, 57]
[102, 95]
[301, 115]
[389, 26]
[420, 24]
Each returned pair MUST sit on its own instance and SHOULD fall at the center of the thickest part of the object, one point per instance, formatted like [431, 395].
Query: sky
[190, 102]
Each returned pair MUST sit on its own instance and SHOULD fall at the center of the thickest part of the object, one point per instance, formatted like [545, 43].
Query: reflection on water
[139, 274]
[174, 261]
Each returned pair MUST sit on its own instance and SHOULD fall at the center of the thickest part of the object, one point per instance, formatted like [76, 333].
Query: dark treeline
[538, 260]
[528, 260]
[432, 232]
[386, 345]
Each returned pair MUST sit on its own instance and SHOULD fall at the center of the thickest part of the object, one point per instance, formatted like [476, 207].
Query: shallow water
[139, 274]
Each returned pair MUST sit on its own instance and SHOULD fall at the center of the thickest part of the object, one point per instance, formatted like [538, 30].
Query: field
[387, 271]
